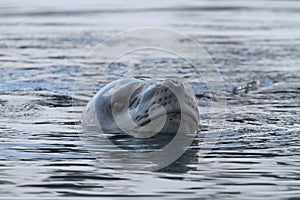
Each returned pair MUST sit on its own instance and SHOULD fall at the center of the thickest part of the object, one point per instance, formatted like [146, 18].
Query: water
[43, 45]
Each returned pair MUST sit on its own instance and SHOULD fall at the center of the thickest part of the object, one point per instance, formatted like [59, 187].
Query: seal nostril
[135, 102]
[137, 118]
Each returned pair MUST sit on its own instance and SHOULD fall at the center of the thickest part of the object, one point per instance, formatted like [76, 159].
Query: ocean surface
[45, 84]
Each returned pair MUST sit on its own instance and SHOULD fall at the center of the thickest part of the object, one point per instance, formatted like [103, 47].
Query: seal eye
[118, 106]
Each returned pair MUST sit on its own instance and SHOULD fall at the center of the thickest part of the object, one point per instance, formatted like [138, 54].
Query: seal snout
[155, 99]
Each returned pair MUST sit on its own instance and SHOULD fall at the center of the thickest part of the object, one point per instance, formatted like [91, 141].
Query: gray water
[43, 44]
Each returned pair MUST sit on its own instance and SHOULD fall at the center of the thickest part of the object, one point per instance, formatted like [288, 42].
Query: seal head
[135, 108]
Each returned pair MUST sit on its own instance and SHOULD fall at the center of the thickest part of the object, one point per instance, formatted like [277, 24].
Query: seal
[143, 108]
